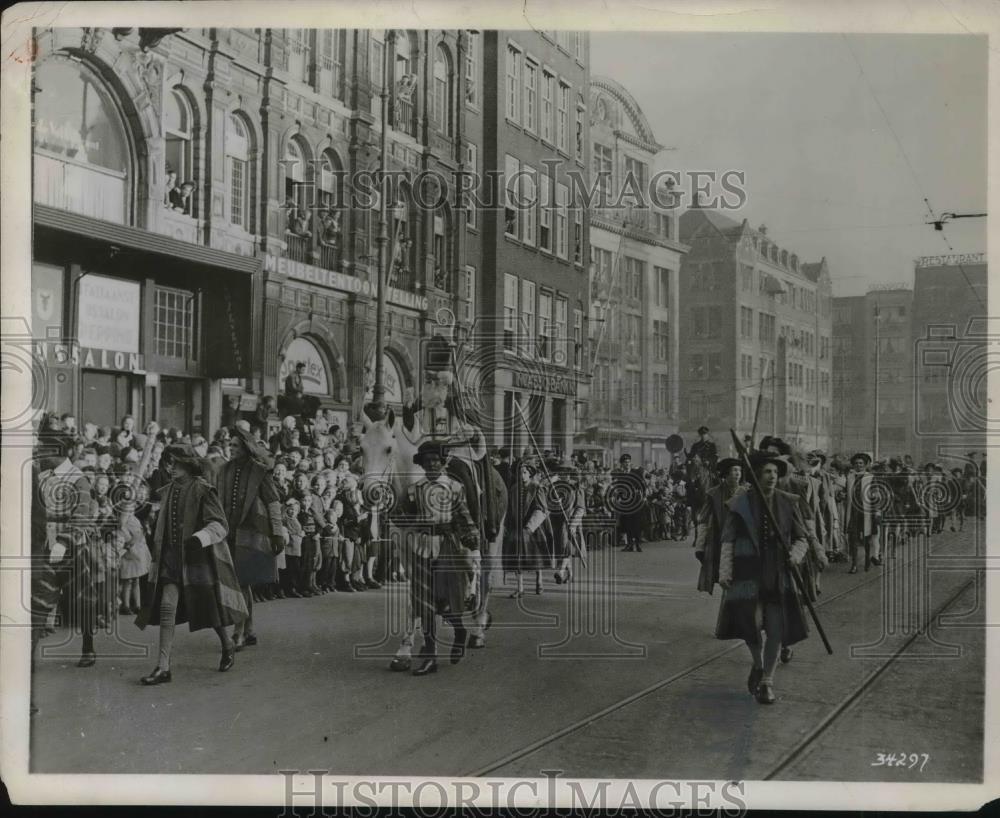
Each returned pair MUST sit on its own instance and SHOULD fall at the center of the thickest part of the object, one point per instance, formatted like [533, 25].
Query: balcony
[329, 257]
[405, 121]
[297, 248]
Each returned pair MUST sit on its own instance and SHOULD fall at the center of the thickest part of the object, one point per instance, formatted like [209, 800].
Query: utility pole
[875, 435]
[378, 389]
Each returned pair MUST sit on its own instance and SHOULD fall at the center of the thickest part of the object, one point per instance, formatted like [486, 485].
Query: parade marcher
[758, 591]
[441, 565]
[704, 447]
[828, 508]
[860, 519]
[195, 580]
[566, 507]
[254, 520]
[527, 537]
[712, 519]
[629, 491]
[66, 544]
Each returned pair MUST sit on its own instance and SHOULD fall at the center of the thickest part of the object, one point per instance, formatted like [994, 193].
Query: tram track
[889, 566]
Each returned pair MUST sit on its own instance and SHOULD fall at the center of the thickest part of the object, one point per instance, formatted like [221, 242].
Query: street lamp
[377, 409]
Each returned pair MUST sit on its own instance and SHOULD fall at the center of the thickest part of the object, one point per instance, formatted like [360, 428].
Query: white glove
[57, 552]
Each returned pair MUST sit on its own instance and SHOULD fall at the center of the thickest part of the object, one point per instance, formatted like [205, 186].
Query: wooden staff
[756, 411]
[785, 550]
[136, 477]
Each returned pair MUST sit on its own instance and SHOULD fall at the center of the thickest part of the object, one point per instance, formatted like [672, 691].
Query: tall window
[581, 117]
[331, 66]
[530, 96]
[562, 220]
[472, 69]
[746, 322]
[577, 339]
[294, 167]
[510, 287]
[577, 233]
[472, 166]
[637, 170]
[545, 213]
[81, 156]
[405, 80]
[529, 195]
[174, 323]
[299, 53]
[548, 101]
[513, 84]
[467, 294]
[562, 121]
[376, 65]
[442, 89]
[544, 326]
[511, 182]
[661, 278]
[178, 129]
[603, 172]
[528, 317]
[578, 44]
[559, 333]
[237, 149]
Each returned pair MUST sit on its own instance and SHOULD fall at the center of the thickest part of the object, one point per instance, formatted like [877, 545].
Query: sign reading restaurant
[338, 281]
[951, 260]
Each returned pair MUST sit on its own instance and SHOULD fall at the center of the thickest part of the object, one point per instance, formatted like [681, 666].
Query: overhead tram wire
[906, 158]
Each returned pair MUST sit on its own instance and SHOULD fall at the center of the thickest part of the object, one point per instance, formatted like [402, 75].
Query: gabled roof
[637, 119]
[813, 271]
[696, 219]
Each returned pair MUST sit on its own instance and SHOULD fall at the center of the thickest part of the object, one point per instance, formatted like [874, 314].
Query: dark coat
[524, 504]
[708, 539]
[210, 593]
[253, 516]
[741, 611]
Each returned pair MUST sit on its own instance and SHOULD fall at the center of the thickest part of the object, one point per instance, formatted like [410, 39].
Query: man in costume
[759, 593]
[64, 544]
[704, 447]
[254, 518]
[860, 519]
[712, 519]
[192, 570]
[441, 561]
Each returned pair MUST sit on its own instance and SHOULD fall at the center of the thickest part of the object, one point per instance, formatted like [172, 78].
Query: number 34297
[908, 760]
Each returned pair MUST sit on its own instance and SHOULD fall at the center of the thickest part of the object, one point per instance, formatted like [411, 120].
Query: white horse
[387, 448]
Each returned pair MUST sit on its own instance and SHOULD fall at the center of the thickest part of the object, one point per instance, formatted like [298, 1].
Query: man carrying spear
[763, 541]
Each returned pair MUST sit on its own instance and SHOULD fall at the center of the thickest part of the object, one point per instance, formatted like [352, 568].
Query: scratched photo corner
[498, 404]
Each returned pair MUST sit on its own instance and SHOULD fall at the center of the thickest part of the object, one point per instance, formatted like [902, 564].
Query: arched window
[329, 178]
[82, 159]
[404, 220]
[239, 169]
[406, 81]
[442, 90]
[298, 218]
[178, 128]
[294, 166]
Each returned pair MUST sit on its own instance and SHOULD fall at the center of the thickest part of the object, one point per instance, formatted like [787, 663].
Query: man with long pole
[763, 543]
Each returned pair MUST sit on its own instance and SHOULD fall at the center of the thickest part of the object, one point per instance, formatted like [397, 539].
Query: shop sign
[77, 355]
[541, 382]
[109, 313]
[392, 378]
[315, 380]
[316, 275]
[405, 298]
[952, 260]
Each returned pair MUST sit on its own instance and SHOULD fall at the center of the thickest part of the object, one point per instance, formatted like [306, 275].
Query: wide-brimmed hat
[429, 447]
[864, 456]
[817, 454]
[703, 430]
[624, 457]
[724, 465]
[185, 454]
[760, 459]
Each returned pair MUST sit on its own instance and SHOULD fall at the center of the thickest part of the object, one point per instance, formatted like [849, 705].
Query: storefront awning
[133, 237]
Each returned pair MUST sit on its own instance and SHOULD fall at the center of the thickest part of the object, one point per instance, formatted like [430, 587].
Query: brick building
[949, 338]
[529, 341]
[854, 366]
[752, 309]
[195, 235]
[635, 262]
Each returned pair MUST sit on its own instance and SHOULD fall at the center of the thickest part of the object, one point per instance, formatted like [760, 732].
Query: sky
[841, 137]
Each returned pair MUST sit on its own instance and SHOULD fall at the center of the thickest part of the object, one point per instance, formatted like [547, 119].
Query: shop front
[535, 410]
[132, 322]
